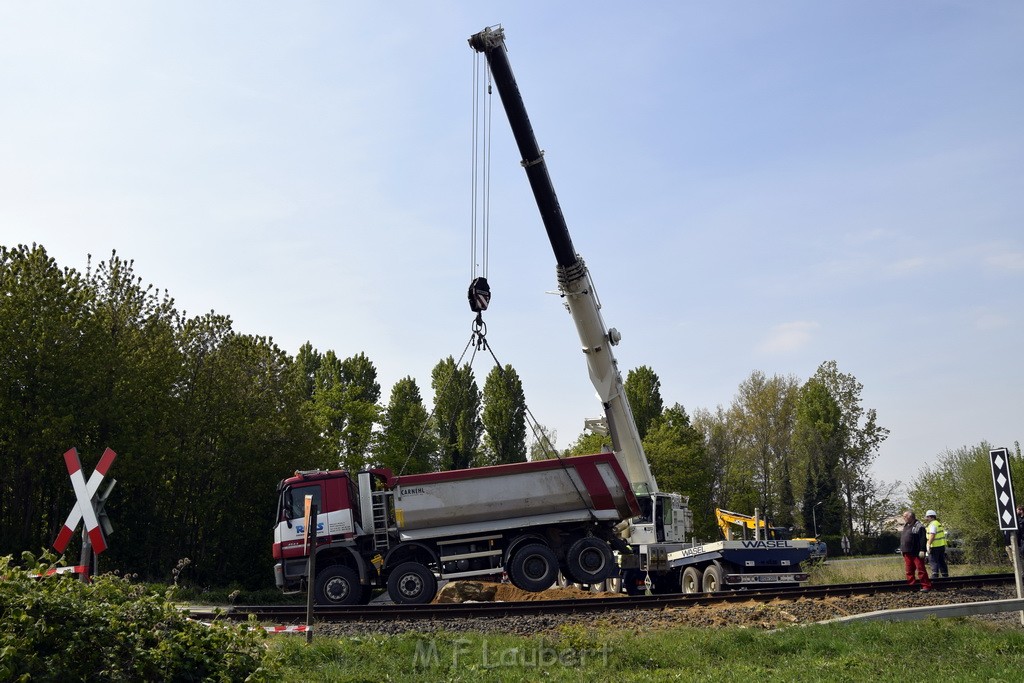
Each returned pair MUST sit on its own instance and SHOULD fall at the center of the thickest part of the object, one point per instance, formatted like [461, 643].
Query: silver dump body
[577, 489]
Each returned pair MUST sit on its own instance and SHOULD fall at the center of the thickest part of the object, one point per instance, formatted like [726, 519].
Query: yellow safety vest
[935, 527]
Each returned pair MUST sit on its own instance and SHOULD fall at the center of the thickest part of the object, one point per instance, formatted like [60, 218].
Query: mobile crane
[659, 555]
[591, 517]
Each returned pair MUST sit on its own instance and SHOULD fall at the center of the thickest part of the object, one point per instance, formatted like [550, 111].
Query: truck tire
[713, 579]
[691, 582]
[630, 580]
[338, 585]
[533, 568]
[590, 560]
[410, 583]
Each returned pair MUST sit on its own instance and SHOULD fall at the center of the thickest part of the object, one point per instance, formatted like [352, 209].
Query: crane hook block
[479, 295]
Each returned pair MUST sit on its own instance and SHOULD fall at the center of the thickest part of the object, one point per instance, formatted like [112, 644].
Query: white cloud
[907, 265]
[1013, 260]
[987, 322]
[787, 337]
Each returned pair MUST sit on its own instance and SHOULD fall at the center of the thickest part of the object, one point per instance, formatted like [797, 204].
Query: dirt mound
[506, 592]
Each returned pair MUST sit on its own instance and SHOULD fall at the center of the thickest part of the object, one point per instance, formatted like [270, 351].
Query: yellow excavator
[755, 528]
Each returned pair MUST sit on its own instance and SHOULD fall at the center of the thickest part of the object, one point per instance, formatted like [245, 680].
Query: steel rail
[388, 612]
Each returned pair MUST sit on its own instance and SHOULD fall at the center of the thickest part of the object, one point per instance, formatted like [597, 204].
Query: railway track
[385, 612]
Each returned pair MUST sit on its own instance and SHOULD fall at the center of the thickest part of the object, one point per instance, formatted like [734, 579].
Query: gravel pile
[776, 614]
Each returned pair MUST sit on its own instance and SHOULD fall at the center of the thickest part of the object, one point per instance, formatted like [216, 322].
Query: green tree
[204, 420]
[675, 450]
[643, 391]
[542, 443]
[589, 443]
[404, 443]
[345, 406]
[49, 360]
[456, 414]
[861, 432]
[765, 412]
[257, 426]
[307, 364]
[504, 416]
[362, 394]
[731, 484]
[818, 440]
[880, 502]
[137, 404]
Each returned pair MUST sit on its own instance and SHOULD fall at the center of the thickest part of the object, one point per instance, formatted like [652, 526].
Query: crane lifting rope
[479, 294]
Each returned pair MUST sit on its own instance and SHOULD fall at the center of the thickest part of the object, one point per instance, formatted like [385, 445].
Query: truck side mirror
[286, 508]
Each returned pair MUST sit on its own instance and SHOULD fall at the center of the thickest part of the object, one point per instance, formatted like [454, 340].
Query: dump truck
[528, 520]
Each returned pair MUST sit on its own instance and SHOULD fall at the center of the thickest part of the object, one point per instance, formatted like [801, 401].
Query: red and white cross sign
[83, 509]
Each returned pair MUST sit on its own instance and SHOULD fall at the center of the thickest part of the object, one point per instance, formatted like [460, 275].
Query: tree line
[206, 421]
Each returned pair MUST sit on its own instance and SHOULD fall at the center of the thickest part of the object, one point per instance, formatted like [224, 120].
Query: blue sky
[755, 186]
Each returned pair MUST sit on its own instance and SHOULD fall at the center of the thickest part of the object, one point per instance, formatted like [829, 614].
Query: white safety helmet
[930, 513]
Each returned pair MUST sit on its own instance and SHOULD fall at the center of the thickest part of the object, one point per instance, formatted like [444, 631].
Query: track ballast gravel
[771, 615]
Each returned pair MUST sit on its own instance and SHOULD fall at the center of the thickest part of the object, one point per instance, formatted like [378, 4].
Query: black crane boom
[491, 42]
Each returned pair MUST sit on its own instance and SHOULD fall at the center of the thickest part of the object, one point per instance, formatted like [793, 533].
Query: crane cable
[479, 294]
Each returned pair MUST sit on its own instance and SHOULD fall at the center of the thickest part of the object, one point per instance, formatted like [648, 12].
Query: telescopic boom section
[574, 279]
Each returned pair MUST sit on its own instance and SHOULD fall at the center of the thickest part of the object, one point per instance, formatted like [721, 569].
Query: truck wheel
[631, 581]
[410, 583]
[338, 585]
[533, 568]
[712, 579]
[589, 560]
[691, 582]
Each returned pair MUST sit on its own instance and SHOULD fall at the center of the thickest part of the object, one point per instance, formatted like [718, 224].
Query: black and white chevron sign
[1005, 508]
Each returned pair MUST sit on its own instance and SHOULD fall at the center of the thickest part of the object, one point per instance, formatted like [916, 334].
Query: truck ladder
[381, 538]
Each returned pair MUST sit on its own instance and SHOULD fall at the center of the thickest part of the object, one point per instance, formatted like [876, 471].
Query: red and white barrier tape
[276, 629]
[288, 629]
[80, 569]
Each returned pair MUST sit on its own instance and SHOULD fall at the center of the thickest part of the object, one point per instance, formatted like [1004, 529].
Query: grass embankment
[883, 568]
[848, 652]
[949, 649]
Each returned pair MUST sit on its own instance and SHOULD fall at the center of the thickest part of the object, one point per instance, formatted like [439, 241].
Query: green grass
[848, 652]
[883, 568]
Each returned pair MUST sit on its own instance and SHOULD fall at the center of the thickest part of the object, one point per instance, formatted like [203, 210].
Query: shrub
[58, 628]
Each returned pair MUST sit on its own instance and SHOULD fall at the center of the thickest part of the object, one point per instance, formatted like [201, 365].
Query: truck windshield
[294, 504]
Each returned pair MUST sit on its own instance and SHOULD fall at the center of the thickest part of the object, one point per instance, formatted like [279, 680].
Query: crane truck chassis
[593, 517]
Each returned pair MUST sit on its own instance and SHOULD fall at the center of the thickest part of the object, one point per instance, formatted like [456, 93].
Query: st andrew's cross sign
[83, 508]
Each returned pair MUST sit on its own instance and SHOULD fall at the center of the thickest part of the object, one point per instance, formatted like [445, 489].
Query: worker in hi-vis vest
[936, 536]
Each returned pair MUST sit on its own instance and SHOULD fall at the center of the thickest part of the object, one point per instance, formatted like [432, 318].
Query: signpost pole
[86, 558]
[1015, 546]
[311, 514]
[1006, 511]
